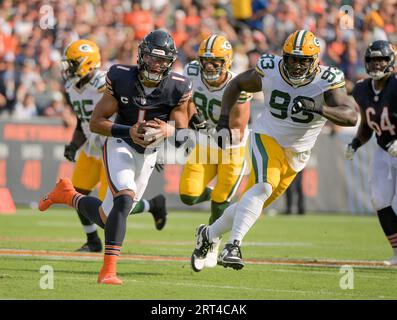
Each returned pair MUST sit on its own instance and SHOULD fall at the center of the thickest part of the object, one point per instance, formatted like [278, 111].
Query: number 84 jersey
[296, 131]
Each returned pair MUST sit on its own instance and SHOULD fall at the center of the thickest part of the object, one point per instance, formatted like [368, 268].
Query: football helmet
[156, 55]
[217, 50]
[377, 69]
[300, 56]
[80, 58]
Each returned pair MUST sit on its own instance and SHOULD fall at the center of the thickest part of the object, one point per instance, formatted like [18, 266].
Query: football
[152, 135]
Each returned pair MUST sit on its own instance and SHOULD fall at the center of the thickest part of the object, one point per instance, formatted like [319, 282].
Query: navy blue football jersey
[122, 83]
[380, 109]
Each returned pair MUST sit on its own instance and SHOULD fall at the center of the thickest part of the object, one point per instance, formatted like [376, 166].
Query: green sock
[139, 207]
[217, 210]
[190, 200]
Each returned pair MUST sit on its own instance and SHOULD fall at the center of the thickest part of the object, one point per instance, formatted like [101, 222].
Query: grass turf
[314, 236]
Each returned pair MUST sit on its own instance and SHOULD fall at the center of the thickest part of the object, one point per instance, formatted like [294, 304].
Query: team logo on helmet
[85, 48]
[80, 58]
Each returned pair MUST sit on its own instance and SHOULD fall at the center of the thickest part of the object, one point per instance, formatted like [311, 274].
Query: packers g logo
[85, 48]
[316, 42]
[226, 45]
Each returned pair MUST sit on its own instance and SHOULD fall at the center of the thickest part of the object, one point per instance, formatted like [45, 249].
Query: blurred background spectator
[33, 35]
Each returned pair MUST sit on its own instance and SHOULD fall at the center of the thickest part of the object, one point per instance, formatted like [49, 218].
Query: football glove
[197, 122]
[392, 148]
[349, 152]
[224, 134]
[70, 152]
[306, 104]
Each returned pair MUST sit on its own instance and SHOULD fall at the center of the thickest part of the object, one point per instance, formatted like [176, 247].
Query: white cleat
[212, 256]
[199, 254]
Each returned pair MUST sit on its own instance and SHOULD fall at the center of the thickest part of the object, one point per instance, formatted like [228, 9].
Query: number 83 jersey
[296, 131]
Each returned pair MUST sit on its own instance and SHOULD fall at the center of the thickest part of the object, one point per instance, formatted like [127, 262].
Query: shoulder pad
[331, 78]
[192, 69]
[114, 73]
[99, 81]
[266, 63]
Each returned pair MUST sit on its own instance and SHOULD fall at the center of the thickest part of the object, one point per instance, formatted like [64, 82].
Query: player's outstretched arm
[364, 133]
[104, 109]
[78, 140]
[340, 108]
[249, 81]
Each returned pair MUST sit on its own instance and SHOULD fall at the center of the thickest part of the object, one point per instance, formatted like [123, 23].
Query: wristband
[120, 131]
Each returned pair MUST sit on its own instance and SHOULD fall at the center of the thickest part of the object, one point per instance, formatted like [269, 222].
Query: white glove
[392, 148]
[349, 152]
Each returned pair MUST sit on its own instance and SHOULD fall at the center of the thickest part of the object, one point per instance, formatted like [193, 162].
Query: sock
[92, 236]
[141, 206]
[388, 221]
[191, 200]
[88, 206]
[223, 224]
[217, 209]
[110, 259]
[249, 209]
[90, 229]
[115, 229]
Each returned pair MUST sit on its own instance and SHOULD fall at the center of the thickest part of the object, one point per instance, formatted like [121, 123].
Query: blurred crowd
[33, 35]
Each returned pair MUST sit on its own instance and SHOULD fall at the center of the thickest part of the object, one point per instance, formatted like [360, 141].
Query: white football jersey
[208, 99]
[83, 102]
[297, 131]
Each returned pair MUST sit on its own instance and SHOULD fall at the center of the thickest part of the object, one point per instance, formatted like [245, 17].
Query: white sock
[89, 229]
[223, 224]
[249, 209]
[146, 206]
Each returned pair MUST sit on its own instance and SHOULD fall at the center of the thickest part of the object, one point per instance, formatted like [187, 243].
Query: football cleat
[231, 256]
[91, 246]
[202, 246]
[212, 255]
[108, 278]
[159, 211]
[63, 192]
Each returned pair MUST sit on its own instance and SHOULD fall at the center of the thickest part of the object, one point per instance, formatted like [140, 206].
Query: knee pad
[261, 190]
[188, 200]
[123, 204]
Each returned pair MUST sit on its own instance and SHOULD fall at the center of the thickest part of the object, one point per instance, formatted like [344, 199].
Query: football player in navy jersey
[150, 94]
[377, 98]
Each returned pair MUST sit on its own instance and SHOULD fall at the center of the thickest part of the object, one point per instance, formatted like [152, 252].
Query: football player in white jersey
[210, 75]
[299, 96]
[84, 86]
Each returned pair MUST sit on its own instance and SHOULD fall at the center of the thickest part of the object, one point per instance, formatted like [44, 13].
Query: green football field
[287, 257]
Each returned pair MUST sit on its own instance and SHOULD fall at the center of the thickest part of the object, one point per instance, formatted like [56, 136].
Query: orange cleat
[63, 192]
[108, 278]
